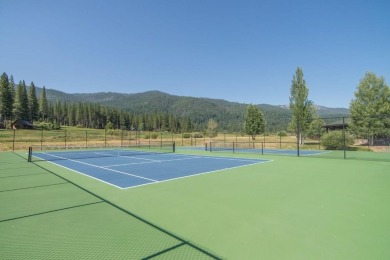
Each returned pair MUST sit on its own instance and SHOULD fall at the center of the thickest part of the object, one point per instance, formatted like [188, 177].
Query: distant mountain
[325, 111]
[229, 115]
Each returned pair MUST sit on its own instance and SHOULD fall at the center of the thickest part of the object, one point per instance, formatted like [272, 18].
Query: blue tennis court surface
[143, 169]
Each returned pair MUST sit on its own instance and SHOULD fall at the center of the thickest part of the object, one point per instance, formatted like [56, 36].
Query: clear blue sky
[243, 51]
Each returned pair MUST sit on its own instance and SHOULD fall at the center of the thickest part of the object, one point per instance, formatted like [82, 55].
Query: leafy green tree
[315, 128]
[20, 106]
[212, 128]
[300, 105]
[6, 97]
[370, 110]
[43, 105]
[254, 121]
[33, 105]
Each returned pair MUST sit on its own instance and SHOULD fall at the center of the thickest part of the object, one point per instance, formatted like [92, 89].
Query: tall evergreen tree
[6, 97]
[43, 105]
[300, 105]
[20, 106]
[33, 105]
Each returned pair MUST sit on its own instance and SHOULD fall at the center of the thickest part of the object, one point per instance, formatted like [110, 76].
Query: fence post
[13, 141]
[122, 138]
[65, 138]
[280, 140]
[298, 137]
[86, 138]
[105, 137]
[41, 137]
[344, 148]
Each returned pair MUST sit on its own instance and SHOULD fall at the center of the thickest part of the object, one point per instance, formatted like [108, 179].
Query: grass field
[290, 208]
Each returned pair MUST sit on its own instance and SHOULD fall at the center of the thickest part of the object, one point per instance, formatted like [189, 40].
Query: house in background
[338, 125]
[21, 124]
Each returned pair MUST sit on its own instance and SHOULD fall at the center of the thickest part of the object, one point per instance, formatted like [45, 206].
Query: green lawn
[290, 208]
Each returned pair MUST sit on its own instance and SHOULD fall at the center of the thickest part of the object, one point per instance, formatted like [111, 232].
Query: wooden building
[21, 124]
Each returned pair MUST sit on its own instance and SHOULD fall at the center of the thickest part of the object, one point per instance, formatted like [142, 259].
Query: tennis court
[292, 208]
[132, 167]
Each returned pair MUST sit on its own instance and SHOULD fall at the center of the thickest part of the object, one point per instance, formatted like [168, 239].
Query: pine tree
[33, 105]
[20, 106]
[6, 98]
[43, 106]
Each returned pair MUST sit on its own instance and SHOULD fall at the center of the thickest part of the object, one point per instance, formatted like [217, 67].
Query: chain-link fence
[342, 137]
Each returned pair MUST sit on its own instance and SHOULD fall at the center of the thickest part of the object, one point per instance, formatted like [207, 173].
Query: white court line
[103, 168]
[254, 161]
[127, 156]
[312, 154]
[109, 183]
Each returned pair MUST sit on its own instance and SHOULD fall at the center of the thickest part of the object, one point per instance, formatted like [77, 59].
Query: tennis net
[256, 147]
[54, 153]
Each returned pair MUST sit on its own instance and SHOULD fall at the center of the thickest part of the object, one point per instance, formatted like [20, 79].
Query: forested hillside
[229, 115]
[150, 111]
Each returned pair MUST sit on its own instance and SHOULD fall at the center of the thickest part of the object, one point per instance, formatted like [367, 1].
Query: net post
[205, 146]
[174, 146]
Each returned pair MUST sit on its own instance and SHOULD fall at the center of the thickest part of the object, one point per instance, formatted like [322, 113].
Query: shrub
[186, 135]
[282, 133]
[198, 135]
[334, 140]
[154, 136]
[48, 126]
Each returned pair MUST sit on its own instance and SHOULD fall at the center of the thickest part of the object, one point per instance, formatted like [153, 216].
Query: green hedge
[334, 140]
